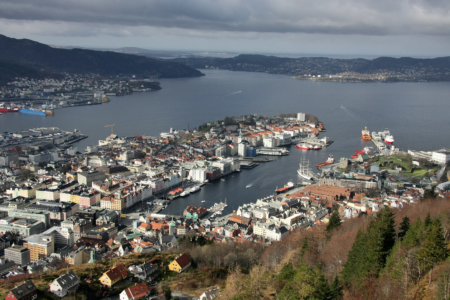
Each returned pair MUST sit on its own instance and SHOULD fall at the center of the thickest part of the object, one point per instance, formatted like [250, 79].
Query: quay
[272, 151]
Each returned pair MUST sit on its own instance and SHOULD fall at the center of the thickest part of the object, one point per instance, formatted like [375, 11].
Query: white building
[242, 149]
[301, 117]
[441, 157]
[198, 175]
[62, 236]
[62, 285]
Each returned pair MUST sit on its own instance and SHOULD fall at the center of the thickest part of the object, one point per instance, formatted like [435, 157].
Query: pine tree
[336, 289]
[335, 221]
[286, 273]
[434, 249]
[404, 227]
[428, 222]
[304, 248]
[414, 235]
[352, 270]
[322, 287]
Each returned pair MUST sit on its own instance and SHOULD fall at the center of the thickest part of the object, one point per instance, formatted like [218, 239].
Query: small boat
[203, 201]
[222, 179]
[248, 186]
[317, 147]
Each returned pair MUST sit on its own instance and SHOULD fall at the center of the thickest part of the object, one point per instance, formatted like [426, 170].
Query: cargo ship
[304, 146]
[32, 111]
[329, 161]
[4, 109]
[290, 185]
[366, 135]
[387, 136]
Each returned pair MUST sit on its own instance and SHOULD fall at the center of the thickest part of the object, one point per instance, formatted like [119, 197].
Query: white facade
[301, 117]
[198, 175]
[441, 157]
[242, 149]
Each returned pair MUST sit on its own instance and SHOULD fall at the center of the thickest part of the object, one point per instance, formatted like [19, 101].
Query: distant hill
[81, 61]
[9, 71]
[395, 69]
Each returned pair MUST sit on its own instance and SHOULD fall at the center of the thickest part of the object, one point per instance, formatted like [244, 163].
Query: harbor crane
[112, 127]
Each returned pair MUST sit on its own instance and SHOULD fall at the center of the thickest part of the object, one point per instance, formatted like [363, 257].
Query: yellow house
[180, 264]
[114, 275]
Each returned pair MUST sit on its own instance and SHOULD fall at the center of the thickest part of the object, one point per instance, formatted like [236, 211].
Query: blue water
[415, 113]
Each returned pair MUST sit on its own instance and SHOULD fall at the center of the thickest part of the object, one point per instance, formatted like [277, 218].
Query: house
[146, 271]
[64, 284]
[124, 249]
[168, 240]
[114, 275]
[210, 294]
[180, 264]
[25, 291]
[138, 291]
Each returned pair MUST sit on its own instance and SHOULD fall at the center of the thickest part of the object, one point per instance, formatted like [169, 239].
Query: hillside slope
[43, 57]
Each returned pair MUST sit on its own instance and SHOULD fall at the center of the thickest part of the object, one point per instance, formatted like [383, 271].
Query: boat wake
[234, 93]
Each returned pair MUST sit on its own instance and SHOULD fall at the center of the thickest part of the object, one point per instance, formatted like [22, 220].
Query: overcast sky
[339, 27]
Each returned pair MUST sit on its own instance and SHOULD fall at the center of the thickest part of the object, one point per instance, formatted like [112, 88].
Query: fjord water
[415, 113]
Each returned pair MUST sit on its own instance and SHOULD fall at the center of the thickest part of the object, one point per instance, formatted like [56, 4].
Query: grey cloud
[374, 17]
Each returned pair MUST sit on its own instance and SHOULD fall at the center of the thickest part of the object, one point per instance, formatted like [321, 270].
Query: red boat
[329, 161]
[290, 185]
[304, 146]
[360, 152]
[8, 109]
[354, 156]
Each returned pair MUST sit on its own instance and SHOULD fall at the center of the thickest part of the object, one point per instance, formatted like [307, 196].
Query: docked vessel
[4, 109]
[389, 139]
[32, 111]
[329, 161]
[304, 146]
[360, 152]
[303, 169]
[366, 135]
[290, 185]
[195, 189]
[49, 112]
[185, 193]
[317, 147]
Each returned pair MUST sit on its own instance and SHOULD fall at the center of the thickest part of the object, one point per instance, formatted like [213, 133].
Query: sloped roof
[118, 271]
[183, 260]
[24, 289]
[137, 291]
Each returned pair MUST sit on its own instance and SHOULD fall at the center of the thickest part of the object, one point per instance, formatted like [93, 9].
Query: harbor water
[415, 113]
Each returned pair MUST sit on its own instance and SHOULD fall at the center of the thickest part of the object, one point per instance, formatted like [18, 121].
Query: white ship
[185, 193]
[303, 169]
[195, 189]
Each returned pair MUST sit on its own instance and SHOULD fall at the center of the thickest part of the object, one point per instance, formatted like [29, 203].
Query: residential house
[146, 271]
[180, 264]
[138, 291]
[210, 294]
[114, 275]
[25, 291]
[64, 284]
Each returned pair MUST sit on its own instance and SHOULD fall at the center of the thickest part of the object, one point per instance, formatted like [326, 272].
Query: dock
[324, 142]
[272, 151]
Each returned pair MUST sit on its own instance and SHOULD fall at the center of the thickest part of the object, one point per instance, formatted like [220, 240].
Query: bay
[415, 113]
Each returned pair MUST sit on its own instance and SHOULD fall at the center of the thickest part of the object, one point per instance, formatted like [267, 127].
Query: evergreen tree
[286, 273]
[336, 289]
[428, 222]
[167, 293]
[414, 235]
[335, 221]
[434, 249]
[370, 250]
[322, 287]
[404, 227]
[304, 248]
[351, 271]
